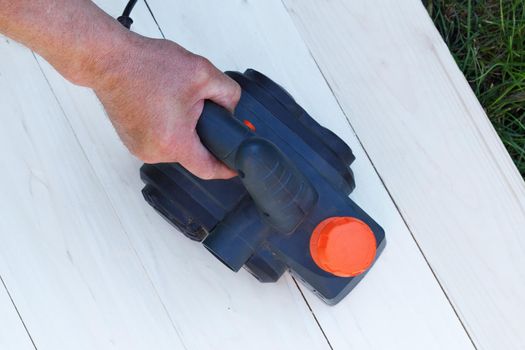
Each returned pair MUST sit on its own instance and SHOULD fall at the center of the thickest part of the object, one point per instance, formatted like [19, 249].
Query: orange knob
[343, 246]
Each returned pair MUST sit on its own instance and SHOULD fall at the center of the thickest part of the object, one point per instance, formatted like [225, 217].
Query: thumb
[200, 162]
[223, 90]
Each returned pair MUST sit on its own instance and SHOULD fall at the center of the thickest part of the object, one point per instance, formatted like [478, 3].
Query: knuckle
[144, 156]
[202, 69]
[157, 152]
[201, 63]
[207, 174]
[236, 93]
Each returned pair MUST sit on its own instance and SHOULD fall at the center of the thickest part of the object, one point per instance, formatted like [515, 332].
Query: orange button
[344, 246]
[249, 124]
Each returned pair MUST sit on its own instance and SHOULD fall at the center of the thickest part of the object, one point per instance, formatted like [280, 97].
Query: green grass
[487, 40]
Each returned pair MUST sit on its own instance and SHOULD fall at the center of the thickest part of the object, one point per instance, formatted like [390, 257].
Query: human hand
[154, 92]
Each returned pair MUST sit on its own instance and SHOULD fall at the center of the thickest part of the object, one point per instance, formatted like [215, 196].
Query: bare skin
[153, 90]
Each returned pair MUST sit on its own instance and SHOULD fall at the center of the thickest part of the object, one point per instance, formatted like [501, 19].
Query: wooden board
[408, 311]
[12, 332]
[435, 150]
[99, 268]
[90, 265]
[66, 259]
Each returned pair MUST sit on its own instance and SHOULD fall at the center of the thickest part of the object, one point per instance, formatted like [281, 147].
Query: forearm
[153, 90]
[75, 36]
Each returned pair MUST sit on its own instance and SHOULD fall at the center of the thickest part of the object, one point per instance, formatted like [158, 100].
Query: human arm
[153, 90]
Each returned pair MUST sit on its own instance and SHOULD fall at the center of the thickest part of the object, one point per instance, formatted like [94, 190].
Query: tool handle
[221, 133]
[280, 192]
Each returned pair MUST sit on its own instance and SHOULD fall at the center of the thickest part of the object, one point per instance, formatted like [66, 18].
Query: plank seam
[115, 212]
[296, 284]
[154, 19]
[401, 215]
[312, 312]
[463, 325]
[489, 150]
[18, 312]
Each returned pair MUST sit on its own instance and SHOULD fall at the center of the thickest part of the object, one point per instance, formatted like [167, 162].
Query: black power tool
[288, 208]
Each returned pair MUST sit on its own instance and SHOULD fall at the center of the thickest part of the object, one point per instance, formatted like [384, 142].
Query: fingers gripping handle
[221, 133]
[281, 193]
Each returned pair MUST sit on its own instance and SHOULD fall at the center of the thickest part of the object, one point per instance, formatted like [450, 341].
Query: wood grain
[65, 257]
[409, 310]
[211, 307]
[91, 266]
[12, 332]
[435, 150]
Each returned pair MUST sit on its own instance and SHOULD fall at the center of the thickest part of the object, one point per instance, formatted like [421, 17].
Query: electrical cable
[125, 19]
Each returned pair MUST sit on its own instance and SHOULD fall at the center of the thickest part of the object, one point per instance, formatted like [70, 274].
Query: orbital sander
[288, 208]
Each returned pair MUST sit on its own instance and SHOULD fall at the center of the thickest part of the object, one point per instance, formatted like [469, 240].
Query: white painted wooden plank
[12, 332]
[435, 149]
[388, 309]
[211, 307]
[65, 257]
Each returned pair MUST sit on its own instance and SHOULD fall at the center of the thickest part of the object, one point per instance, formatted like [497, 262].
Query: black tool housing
[293, 173]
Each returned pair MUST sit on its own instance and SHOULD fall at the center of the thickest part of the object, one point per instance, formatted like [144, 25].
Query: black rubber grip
[221, 133]
[281, 193]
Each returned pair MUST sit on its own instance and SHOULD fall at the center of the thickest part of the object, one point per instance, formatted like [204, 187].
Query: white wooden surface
[409, 310]
[210, 306]
[66, 258]
[12, 332]
[90, 265]
[434, 148]
[74, 275]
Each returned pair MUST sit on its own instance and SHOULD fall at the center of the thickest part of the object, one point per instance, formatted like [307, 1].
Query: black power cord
[125, 19]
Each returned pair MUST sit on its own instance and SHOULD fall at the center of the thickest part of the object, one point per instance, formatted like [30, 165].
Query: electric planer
[288, 208]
